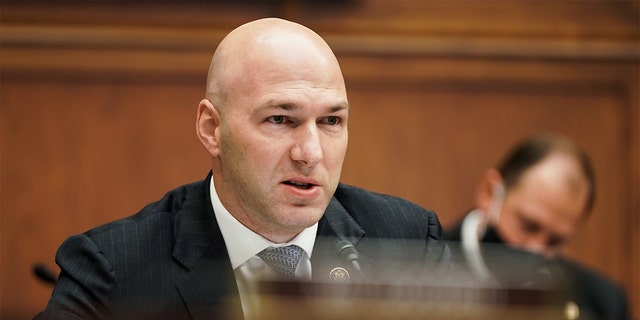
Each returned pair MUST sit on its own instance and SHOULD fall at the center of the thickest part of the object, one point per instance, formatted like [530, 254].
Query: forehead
[294, 95]
[294, 69]
[291, 81]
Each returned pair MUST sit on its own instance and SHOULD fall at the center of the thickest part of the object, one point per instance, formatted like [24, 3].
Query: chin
[303, 217]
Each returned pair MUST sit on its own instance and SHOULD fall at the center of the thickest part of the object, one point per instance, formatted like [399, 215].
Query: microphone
[350, 256]
[44, 273]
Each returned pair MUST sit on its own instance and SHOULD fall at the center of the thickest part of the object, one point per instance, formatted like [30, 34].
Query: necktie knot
[283, 260]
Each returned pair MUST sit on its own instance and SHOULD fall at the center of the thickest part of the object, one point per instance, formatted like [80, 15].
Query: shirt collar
[242, 243]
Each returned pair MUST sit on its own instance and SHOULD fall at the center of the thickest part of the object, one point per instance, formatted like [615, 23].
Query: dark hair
[530, 151]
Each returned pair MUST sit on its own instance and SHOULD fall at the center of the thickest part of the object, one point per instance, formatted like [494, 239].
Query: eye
[555, 241]
[332, 121]
[529, 226]
[277, 119]
[526, 224]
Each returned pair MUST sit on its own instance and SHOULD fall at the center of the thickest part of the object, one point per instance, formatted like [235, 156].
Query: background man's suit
[597, 297]
[169, 261]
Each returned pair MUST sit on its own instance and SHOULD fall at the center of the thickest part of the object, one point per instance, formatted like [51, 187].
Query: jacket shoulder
[352, 196]
[165, 208]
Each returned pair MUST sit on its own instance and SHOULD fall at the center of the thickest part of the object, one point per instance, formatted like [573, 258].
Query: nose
[307, 148]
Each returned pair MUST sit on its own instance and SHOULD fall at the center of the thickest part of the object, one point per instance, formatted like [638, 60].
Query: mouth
[299, 184]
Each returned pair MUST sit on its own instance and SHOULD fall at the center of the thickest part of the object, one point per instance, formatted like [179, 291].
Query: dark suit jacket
[169, 261]
[597, 296]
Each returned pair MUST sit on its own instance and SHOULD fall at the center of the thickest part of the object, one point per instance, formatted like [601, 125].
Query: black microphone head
[344, 244]
[346, 250]
[43, 273]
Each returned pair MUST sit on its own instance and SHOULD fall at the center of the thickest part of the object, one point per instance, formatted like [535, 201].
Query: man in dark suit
[533, 203]
[274, 122]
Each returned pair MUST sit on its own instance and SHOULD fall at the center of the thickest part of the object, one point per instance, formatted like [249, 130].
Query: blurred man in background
[534, 202]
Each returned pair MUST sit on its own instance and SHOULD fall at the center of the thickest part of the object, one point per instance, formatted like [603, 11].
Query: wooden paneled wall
[98, 104]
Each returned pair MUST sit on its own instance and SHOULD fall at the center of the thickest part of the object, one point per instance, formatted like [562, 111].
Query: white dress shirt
[243, 244]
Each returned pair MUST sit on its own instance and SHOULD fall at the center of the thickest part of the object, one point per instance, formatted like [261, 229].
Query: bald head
[268, 49]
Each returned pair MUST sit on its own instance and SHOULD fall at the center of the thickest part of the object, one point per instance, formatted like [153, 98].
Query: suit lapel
[335, 225]
[209, 288]
[337, 222]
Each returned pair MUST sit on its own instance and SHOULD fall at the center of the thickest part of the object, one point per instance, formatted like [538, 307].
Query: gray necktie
[283, 260]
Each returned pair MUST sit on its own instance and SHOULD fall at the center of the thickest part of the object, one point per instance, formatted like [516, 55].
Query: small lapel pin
[339, 274]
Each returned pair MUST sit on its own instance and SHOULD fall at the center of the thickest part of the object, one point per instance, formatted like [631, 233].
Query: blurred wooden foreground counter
[299, 300]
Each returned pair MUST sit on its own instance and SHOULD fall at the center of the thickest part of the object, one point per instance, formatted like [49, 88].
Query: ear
[207, 127]
[489, 184]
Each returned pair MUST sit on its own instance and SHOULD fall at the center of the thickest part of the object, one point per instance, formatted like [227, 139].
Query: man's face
[283, 139]
[543, 210]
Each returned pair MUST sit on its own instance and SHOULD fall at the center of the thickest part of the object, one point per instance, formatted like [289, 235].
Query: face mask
[491, 235]
[496, 204]
[474, 228]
